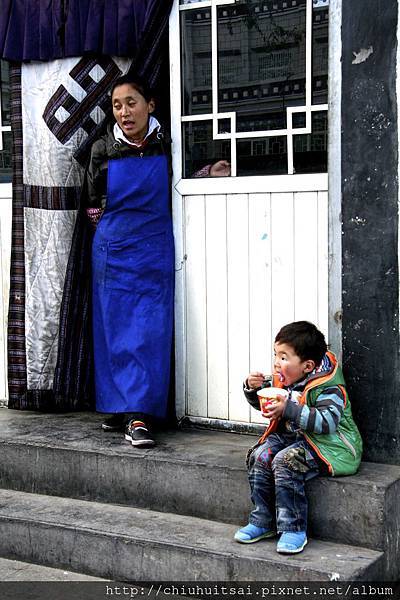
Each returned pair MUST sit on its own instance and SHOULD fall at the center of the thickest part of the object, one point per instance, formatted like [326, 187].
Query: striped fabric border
[73, 376]
[55, 198]
[16, 314]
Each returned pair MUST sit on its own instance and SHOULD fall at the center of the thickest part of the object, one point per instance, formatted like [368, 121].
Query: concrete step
[197, 473]
[133, 544]
[21, 580]
[18, 571]
[69, 455]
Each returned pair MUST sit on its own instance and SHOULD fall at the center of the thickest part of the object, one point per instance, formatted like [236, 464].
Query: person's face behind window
[131, 111]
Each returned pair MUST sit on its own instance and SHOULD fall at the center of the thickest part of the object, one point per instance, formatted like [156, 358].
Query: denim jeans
[277, 491]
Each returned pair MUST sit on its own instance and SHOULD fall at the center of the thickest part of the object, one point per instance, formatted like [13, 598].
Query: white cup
[269, 395]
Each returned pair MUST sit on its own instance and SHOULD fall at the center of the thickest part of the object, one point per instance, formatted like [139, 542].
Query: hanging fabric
[38, 30]
[58, 108]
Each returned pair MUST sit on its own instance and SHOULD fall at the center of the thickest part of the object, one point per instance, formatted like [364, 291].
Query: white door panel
[254, 263]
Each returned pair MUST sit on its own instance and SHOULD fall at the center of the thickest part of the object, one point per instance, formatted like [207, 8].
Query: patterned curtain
[58, 108]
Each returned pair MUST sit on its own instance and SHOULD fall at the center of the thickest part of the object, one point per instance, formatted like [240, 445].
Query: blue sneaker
[251, 533]
[292, 542]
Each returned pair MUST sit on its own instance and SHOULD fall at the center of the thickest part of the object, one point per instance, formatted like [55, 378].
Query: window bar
[214, 69]
[289, 142]
[214, 66]
[233, 145]
[307, 108]
[175, 90]
[309, 14]
[198, 5]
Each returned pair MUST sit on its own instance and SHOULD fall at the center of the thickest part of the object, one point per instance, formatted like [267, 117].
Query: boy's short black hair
[137, 82]
[305, 339]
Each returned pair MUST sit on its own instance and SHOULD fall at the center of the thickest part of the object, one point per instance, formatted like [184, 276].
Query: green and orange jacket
[340, 450]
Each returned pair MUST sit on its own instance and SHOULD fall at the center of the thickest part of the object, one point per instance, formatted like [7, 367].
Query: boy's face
[289, 365]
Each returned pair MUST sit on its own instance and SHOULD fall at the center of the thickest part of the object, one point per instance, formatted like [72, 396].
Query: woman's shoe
[137, 433]
[292, 542]
[251, 533]
[116, 422]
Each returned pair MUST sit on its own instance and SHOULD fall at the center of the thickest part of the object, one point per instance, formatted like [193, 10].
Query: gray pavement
[15, 570]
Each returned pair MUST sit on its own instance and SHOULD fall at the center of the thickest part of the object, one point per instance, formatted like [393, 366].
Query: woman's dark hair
[137, 82]
[305, 339]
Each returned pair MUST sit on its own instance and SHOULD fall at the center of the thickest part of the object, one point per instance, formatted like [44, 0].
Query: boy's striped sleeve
[324, 417]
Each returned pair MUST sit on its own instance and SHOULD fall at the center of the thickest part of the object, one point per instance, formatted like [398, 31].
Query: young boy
[311, 432]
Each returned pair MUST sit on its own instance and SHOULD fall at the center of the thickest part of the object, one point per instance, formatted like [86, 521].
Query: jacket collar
[119, 135]
[321, 377]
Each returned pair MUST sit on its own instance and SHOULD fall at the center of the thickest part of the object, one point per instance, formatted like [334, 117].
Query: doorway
[249, 85]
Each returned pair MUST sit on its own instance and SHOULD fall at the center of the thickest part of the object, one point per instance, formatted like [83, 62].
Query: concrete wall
[370, 274]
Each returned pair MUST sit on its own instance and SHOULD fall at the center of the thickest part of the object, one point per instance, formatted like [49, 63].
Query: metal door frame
[183, 187]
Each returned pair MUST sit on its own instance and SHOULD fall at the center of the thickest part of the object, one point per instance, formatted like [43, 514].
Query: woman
[128, 190]
[133, 265]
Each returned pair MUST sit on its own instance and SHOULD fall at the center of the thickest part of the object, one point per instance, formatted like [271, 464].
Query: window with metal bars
[261, 65]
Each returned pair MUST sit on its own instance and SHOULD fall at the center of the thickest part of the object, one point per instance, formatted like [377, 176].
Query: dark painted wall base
[370, 280]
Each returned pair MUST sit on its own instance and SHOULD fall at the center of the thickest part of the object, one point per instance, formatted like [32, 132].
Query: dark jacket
[106, 148]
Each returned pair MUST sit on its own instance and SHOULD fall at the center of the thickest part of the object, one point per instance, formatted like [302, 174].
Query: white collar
[120, 137]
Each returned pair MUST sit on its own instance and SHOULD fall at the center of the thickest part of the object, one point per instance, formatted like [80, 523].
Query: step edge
[48, 523]
[371, 559]
[356, 479]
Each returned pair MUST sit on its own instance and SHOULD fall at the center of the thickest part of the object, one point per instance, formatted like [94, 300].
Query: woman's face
[131, 111]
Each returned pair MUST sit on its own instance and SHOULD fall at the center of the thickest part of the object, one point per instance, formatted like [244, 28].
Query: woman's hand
[276, 409]
[255, 380]
[222, 168]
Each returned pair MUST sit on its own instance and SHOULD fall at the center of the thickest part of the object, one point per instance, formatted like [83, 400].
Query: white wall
[5, 251]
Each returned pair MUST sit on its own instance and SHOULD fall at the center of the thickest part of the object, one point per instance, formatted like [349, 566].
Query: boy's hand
[276, 409]
[255, 380]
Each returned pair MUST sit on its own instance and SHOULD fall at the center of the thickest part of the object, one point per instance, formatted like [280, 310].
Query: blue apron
[133, 289]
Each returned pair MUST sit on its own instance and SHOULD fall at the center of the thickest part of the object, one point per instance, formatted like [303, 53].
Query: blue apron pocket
[137, 264]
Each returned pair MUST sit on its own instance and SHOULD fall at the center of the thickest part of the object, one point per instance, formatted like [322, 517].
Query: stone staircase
[76, 498]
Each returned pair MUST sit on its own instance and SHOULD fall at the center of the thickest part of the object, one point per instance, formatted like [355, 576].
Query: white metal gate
[252, 251]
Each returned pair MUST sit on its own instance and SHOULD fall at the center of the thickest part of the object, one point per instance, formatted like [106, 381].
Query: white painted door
[5, 222]
[248, 86]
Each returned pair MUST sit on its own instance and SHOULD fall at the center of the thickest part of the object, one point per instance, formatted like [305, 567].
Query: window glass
[261, 61]
[200, 149]
[266, 156]
[320, 52]
[6, 152]
[5, 158]
[5, 93]
[310, 151]
[196, 61]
